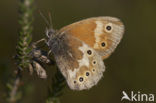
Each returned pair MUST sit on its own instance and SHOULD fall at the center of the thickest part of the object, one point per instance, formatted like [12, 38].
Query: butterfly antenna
[49, 30]
[45, 19]
[50, 19]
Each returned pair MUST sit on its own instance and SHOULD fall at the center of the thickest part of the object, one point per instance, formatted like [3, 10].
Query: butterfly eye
[108, 27]
[89, 52]
[87, 73]
[81, 79]
[50, 32]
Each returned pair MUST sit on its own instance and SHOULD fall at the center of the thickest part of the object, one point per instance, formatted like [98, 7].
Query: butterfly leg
[38, 54]
[34, 45]
[39, 57]
[49, 52]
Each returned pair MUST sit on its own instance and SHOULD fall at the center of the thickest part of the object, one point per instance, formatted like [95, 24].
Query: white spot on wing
[97, 32]
[72, 74]
[84, 60]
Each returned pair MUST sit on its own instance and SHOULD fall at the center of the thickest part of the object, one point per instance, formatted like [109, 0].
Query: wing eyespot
[87, 73]
[94, 62]
[108, 27]
[81, 79]
[89, 52]
[74, 82]
[103, 44]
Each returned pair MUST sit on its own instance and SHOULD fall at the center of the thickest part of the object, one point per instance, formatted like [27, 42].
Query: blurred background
[131, 67]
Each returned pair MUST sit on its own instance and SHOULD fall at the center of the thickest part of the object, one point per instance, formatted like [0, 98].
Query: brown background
[131, 67]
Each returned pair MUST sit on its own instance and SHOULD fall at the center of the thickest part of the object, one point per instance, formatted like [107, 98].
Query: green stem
[25, 32]
[23, 45]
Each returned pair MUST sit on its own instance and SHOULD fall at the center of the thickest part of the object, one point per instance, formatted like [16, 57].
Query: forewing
[103, 34]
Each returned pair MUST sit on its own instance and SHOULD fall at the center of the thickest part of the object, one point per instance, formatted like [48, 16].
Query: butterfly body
[81, 47]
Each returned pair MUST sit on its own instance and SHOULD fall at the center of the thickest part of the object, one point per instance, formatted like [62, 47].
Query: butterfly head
[50, 32]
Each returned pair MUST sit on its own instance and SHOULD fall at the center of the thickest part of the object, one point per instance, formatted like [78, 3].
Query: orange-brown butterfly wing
[93, 32]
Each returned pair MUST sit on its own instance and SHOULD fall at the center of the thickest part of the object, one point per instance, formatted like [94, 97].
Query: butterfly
[80, 48]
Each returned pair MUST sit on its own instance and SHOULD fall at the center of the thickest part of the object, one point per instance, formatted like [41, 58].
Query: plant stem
[13, 93]
[23, 45]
